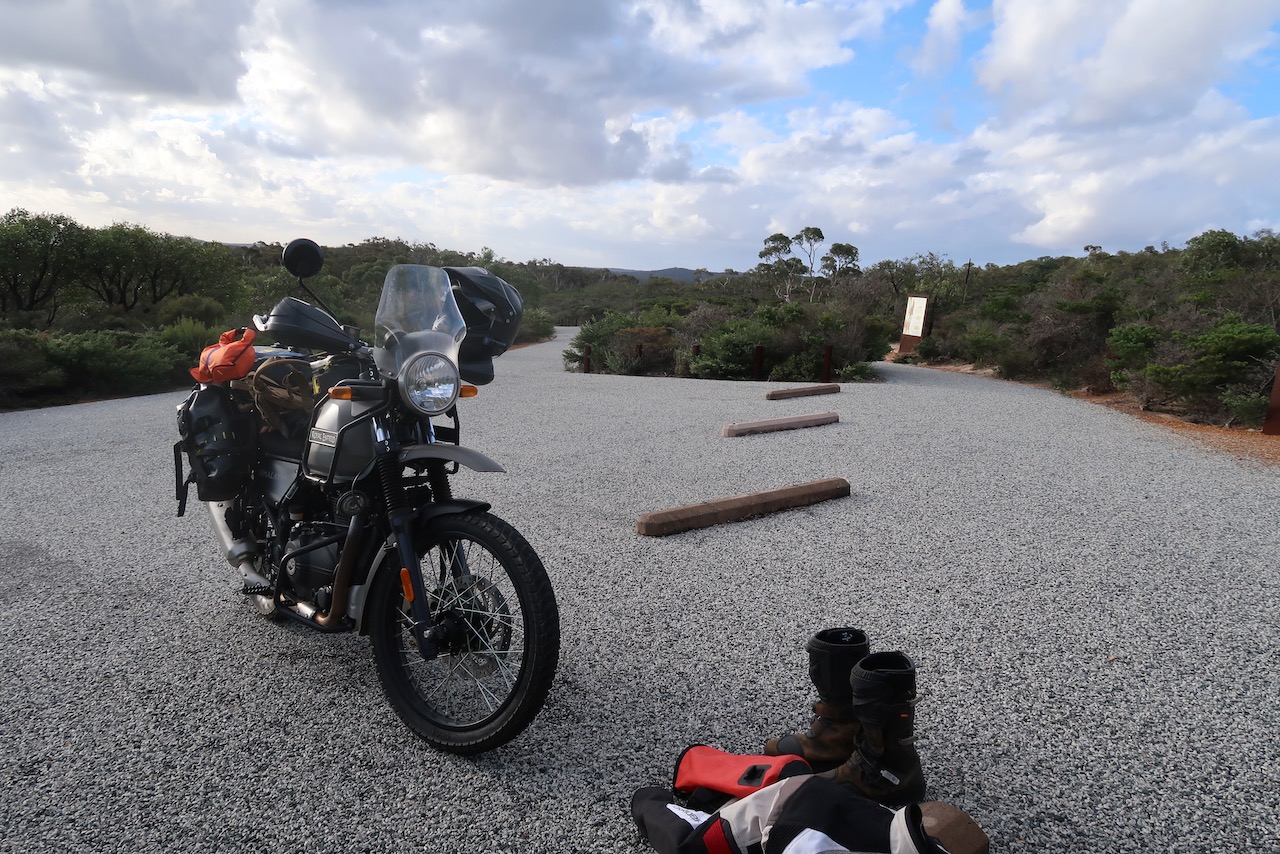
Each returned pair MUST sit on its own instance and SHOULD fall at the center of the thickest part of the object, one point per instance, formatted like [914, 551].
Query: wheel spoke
[480, 576]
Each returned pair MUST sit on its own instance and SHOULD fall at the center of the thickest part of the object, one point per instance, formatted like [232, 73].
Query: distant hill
[677, 274]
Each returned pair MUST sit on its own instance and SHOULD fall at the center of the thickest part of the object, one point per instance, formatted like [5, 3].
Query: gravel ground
[1091, 602]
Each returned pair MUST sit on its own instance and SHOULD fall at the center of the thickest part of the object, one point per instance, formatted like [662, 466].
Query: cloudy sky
[649, 133]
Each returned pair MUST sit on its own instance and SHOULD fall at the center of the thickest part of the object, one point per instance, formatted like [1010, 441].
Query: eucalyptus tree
[39, 257]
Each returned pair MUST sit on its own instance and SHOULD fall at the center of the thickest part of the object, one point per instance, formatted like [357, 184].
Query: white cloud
[185, 49]
[945, 27]
[635, 132]
[1117, 61]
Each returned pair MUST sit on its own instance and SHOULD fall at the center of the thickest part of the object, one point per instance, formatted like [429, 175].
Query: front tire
[490, 593]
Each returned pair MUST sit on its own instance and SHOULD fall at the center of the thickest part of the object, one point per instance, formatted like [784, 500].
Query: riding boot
[832, 734]
[886, 766]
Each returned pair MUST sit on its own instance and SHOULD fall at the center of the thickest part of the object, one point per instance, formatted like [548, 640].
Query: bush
[1219, 373]
[537, 325]
[594, 335]
[929, 349]
[644, 350]
[1245, 406]
[729, 352]
[858, 372]
[113, 363]
[189, 337]
[797, 367]
[25, 370]
[208, 312]
[982, 344]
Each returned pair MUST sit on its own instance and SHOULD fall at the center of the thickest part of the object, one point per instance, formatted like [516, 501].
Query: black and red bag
[734, 774]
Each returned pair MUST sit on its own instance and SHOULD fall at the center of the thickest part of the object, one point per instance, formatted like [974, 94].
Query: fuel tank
[341, 441]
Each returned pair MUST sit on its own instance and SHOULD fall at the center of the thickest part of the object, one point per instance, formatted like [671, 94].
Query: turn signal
[468, 391]
[340, 392]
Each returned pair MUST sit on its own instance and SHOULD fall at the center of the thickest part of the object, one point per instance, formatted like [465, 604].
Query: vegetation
[1196, 331]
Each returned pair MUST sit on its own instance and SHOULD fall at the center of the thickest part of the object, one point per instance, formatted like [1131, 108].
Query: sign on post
[913, 325]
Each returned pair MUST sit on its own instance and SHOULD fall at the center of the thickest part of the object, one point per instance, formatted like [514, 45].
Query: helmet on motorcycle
[492, 310]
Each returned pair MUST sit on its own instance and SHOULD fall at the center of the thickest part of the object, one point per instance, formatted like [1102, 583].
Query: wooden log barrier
[660, 523]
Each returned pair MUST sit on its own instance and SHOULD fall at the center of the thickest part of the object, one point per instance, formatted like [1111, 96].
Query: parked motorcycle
[325, 464]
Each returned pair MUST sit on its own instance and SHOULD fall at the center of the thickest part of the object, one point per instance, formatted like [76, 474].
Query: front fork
[401, 516]
[415, 590]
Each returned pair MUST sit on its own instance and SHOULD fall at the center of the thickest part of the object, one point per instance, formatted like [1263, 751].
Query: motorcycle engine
[311, 573]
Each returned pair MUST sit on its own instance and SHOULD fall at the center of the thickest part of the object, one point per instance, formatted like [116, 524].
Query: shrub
[797, 367]
[111, 363]
[729, 351]
[929, 349]
[189, 337]
[1245, 406]
[208, 312]
[25, 369]
[858, 372]
[981, 344]
[537, 325]
[595, 335]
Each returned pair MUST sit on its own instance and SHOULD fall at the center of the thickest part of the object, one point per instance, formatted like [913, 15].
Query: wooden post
[757, 363]
[1271, 425]
[586, 359]
[826, 364]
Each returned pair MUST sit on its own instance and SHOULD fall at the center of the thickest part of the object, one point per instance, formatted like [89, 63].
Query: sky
[647, 134]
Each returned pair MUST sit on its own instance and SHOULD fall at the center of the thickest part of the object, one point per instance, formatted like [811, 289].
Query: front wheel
[493, 603]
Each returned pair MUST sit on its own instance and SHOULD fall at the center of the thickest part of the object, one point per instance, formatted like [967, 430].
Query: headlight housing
[429, 383]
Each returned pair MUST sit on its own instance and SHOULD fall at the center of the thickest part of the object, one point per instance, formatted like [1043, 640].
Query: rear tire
[490, 592]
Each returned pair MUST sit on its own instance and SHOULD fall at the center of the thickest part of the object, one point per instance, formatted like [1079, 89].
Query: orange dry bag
[229, 359]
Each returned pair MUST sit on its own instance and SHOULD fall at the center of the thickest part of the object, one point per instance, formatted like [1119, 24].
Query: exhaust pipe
[239, 553]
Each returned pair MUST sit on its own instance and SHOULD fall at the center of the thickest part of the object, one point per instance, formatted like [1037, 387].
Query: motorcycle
[325, 464]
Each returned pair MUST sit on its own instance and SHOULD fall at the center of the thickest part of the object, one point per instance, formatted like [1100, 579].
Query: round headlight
[429, 383]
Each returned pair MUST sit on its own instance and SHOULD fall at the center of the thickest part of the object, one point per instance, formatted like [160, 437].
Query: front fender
[385, 558]
[473, 460]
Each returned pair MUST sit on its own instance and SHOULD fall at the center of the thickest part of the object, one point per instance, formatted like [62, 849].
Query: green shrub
[25, 369]
[537, 325]
[189, 337]
[644, 350]
[982, 344]
[595, 335]
[929, 349]
[209, 312]
[116, 363]
[1246, 407]
[797, 367]
[858, 372]
[728, 352]
[1132, 345]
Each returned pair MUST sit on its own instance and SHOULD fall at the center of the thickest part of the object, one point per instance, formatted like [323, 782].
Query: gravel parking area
[1092, 602]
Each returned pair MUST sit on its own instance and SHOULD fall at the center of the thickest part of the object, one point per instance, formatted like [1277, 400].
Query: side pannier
[218, 443]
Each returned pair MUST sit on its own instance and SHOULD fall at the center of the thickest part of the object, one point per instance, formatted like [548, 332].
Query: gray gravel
[1091, 601]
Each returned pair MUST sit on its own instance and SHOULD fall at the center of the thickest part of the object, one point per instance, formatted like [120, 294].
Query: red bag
[229, 359]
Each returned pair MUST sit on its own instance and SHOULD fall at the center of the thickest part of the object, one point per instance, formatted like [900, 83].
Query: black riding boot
[886, 766]
[833, 733]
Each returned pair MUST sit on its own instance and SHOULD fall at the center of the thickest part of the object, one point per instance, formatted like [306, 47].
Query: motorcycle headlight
[429, 383]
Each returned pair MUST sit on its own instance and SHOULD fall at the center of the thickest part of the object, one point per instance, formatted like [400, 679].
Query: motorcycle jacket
[797, 815]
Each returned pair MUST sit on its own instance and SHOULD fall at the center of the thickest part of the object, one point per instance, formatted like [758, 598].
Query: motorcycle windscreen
[416, 300]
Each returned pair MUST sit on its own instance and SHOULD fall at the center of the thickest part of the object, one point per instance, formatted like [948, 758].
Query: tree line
[1193, 330]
